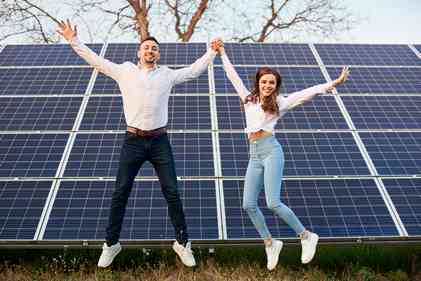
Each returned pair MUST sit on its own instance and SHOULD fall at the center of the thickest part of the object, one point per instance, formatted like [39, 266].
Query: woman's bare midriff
[259, 134]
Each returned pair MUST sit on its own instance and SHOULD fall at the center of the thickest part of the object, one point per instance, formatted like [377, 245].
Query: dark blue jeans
[134, 153]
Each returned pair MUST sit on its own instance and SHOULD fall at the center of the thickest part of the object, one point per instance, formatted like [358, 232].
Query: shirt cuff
[75, 41]
[212, 53]
[326, 87]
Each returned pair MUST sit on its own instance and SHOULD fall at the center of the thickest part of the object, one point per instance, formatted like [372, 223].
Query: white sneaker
[185, 253]
[272, 253]
[309, 245]
[108, 254]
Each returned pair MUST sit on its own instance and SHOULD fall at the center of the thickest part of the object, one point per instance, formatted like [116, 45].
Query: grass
[356, 263]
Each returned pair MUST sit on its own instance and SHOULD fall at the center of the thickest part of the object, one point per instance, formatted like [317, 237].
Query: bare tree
[323, 17]
[244, 21]
[141, 9]
[20, 17]
[182, 16]
[185, 29]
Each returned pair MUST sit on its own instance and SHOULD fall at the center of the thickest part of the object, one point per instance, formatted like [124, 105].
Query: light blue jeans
[265, 168]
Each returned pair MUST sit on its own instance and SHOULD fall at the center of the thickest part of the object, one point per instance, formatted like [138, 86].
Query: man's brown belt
[147, 133]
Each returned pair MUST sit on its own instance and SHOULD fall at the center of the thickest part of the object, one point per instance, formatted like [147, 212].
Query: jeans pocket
[129, 137]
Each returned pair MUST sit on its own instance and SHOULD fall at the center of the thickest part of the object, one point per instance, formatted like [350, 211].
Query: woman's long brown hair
[269, 103]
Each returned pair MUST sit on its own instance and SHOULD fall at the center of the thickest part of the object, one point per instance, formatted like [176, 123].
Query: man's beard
[150, 61]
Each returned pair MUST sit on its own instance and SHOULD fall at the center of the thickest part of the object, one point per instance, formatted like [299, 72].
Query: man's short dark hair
[149, 38]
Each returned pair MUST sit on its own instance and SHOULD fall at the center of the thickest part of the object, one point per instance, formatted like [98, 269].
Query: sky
[379, 21]
[385, 21]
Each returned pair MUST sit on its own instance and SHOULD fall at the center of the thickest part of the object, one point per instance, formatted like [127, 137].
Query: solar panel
[21, 205]
[321, 113]
[81, 209]
[394, 153]
[268, 54]
[120, 52]
[97, 155]
[380, 80]
[40, 55]
[364, 54]
[42, 81]
[406, 196]
[306, 154]
[200, 85]
[293, 78]
[184, 112]
[31, 155]
[170, 53]
[331, 208]
[384, 112]
[40, 113]
[44, 92]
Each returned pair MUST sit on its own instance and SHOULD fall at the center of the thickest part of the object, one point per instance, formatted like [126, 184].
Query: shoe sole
[280, 249]
[314, 253]
[178, 255]
[112, 259]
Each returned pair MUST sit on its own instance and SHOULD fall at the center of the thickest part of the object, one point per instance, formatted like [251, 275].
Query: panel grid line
[412, 47]
[216, 155]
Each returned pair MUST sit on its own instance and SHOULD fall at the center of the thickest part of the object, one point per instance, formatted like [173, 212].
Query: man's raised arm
[102, 65]
[198, 67]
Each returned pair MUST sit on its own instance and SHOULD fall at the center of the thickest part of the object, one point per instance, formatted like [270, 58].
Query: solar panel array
[353, 157]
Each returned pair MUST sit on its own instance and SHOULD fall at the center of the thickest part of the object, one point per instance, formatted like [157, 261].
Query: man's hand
[218, 46]
[342, 78]
[65, 30]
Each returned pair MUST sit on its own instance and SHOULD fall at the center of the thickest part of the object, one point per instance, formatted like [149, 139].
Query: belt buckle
[141, 133]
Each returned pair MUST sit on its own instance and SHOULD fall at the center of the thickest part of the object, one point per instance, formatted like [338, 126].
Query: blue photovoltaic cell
[384, 112]
[394, 153]
[21, 205]
[306, 154]
[44, 81]
[406, 196]
[293, 78]
[40, 113]
[104, 113]
[331, 208]
[268, 54]
[321, 113]
[31, 155]
[184, 112]
[81, 210]
[364, 54]
[121, 52]
[200, 85]
[380, 80]
[170, 53]
[97, 155]
[43, 55]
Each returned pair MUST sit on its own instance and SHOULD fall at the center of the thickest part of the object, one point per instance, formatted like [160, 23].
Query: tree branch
[42, 11]
[318, 16]
[175, 9]
[141, 17]
[194, 20]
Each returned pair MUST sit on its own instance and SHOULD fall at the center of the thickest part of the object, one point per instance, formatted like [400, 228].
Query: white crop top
[256, 118]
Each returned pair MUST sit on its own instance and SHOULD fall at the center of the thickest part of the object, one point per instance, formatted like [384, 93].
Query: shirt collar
[139, 65]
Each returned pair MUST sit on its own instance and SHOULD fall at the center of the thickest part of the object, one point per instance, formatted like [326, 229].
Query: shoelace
[188, 249]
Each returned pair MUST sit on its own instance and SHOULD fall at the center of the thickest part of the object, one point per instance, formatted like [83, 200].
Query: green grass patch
[333, 262]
